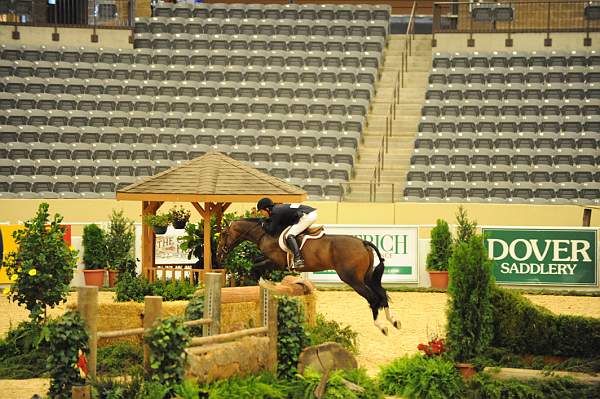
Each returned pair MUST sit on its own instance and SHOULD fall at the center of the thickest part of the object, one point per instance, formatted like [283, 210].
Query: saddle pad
[305, 237]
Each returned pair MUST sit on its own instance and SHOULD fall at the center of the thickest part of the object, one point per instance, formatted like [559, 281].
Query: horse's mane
[254, 220]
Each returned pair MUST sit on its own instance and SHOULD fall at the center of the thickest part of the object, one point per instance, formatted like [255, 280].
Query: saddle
[312, 233]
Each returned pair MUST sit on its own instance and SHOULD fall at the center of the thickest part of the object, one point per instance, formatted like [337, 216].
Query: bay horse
[351, 258]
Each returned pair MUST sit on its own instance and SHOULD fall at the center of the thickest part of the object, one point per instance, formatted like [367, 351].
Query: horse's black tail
[373, 277]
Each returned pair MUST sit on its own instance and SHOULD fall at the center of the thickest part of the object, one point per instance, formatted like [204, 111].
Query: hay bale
[239, 316]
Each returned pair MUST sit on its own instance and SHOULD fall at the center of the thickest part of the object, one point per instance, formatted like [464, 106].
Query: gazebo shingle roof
[211, 177]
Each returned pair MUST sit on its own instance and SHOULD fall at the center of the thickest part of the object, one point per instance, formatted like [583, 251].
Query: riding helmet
[264, 203]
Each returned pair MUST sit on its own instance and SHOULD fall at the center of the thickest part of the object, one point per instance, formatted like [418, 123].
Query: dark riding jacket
[284, 215]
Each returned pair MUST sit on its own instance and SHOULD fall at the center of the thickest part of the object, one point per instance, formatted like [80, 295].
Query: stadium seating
[285, 88]
[509, 127]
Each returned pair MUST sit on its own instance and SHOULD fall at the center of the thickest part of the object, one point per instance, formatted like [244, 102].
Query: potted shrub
[159, 223]
[179, 216]
[439, 256]
[94, 255]
[120, 240]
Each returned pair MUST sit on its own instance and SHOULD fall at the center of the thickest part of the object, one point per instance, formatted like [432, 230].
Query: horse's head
[236, 232]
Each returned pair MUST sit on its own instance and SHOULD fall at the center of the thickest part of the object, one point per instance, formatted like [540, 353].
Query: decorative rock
[245, 356]
[329, 356]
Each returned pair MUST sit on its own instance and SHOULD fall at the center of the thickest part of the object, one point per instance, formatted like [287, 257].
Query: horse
[350, 257]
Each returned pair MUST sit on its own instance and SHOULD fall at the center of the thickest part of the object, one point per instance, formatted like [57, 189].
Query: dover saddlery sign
[397, 244]
[543, 256]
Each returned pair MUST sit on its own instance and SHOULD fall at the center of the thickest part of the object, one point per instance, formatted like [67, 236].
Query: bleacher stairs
[404, 125]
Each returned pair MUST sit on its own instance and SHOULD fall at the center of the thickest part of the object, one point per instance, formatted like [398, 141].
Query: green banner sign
[543, 256]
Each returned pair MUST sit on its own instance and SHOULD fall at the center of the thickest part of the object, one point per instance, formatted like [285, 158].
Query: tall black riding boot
[293, 245]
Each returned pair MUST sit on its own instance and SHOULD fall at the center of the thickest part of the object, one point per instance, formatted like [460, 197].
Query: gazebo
[211, 183]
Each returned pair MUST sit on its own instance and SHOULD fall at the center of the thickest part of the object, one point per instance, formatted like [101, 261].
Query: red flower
[433, 347]
[82, 365]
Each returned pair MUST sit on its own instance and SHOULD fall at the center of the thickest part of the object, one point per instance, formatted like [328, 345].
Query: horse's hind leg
[377, 288]
[363, 290]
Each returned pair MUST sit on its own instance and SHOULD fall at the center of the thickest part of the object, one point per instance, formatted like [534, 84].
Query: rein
[245, 236]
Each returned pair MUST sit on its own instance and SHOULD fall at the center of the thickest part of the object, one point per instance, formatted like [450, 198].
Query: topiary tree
[470, 312]
[120, 241]
[42, 266]
[441, 247]
[95, 251]
[466, 228]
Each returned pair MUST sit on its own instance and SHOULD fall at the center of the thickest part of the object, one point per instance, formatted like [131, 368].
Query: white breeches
[305, 222]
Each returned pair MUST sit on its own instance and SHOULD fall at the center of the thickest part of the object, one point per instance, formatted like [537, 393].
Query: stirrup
[297, 263]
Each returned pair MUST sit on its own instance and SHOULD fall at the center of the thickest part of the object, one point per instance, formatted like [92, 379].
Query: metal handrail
[529, 17]
[384, 145]
[410, 33]
[375, 193]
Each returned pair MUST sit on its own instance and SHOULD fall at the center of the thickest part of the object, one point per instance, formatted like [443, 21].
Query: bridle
[245, 235]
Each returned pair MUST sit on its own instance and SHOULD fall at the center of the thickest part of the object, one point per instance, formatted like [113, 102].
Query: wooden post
[87, 306]
[152, 312]
[587, 217]
[268, 315]
[81, 392]
[212, 303]
[148, 240]
[208, 207]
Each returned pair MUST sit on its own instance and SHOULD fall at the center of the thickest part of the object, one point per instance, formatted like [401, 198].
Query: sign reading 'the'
[543, 256]
[397, 244]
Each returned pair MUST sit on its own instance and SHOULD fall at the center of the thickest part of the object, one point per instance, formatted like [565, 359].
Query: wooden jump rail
[87, 306]
[268, 314]
[141, 330]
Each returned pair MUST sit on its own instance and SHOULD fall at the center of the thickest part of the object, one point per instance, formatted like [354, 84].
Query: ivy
[291, 336]
[67, 338]
[194, 311]
[42, 266]
[167, 341]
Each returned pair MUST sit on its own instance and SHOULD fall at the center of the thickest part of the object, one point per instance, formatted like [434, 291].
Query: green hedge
[483, 386]
[523, 327]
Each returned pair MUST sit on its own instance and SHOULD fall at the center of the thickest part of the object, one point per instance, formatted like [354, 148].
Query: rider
[299, 216]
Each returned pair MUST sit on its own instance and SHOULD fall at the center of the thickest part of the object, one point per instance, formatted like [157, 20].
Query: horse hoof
[397, 324]
[384, 330]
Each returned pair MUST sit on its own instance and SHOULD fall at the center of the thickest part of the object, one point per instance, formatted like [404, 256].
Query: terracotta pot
[159, 229]
[112, 278]
[467, 370]
[179, 224]
[94, 277]
[439, 279]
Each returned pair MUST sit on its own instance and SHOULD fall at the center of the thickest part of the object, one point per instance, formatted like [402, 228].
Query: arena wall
[75, 37]
[424, 214]
[488, 42]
